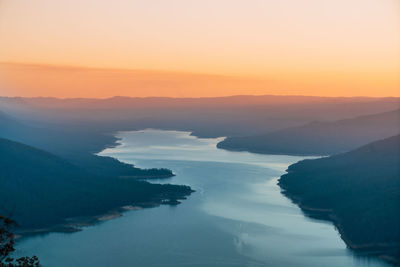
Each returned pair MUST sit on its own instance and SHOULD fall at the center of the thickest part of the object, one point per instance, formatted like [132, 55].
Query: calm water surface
[236, 217]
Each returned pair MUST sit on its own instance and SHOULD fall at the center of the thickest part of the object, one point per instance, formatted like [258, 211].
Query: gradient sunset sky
[188, 48]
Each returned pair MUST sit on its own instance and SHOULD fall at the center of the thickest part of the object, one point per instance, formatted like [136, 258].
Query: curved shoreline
[366, 250]
[72, 225]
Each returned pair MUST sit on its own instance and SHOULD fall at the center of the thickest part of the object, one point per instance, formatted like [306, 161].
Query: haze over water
[236, 217]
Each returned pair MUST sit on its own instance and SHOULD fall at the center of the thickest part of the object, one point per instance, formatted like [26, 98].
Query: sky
[192, 48]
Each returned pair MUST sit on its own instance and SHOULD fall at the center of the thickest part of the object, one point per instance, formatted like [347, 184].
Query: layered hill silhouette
[77, 146]
[40, 190]
[320, 138]
[359, 191]
[205, 117]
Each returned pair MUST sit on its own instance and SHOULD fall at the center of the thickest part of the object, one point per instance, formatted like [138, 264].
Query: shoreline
[77, 224]
[149, 177]
[364, 250]
[270, 153]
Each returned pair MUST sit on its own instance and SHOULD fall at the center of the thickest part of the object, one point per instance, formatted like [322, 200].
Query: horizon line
[205, 97]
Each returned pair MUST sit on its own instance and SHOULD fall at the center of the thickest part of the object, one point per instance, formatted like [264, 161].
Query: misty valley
[189, 133]
[195, 192]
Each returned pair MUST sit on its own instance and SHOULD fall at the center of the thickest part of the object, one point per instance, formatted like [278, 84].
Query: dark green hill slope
[75, 145]
[358, 190]
[320, 138]
[41, 190]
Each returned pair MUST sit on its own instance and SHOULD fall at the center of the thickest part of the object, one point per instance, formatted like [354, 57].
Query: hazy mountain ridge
[320, 138]
[359, 191]
[205, 117]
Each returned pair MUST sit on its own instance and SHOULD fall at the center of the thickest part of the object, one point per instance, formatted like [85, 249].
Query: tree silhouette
[7, 241]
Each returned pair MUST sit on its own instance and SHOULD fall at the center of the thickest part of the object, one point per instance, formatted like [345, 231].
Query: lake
[236, 217]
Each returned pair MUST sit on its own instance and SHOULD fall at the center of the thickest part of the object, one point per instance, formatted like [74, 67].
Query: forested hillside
[359, 191]
[40, 190]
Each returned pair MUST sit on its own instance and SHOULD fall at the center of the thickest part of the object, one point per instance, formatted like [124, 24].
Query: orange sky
[185, 48]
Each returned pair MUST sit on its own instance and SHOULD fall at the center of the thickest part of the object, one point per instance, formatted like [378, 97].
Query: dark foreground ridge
[44, 192]
[359, 191]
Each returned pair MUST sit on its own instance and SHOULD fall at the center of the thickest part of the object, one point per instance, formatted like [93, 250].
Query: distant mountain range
[320, 138]
[359, 191]
[42, 191]
[205, 117]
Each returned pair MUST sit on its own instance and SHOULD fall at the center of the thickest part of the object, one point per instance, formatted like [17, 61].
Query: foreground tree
[7, 241]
